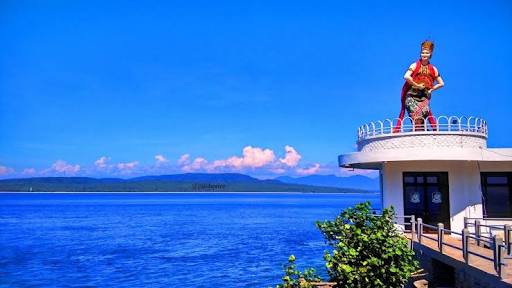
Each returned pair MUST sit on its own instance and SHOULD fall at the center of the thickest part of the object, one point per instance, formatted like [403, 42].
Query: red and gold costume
[417, 101]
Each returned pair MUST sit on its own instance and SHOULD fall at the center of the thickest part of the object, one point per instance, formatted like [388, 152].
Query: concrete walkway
[455, 258]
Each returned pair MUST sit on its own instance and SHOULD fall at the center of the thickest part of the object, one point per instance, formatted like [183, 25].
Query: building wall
[464, 186]
[496, 166]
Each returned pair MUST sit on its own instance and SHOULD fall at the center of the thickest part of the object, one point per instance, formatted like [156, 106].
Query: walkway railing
[444, 124]
[406, 223]
[495, 242]
[490, 229]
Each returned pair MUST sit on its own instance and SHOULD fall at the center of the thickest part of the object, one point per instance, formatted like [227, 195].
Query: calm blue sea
[161, 239]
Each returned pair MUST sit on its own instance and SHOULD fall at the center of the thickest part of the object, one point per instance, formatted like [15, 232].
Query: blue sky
[261, 87]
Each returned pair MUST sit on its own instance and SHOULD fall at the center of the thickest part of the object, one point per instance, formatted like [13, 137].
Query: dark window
[497, 194]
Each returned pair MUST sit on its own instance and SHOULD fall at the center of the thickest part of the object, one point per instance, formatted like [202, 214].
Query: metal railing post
[413, 227]
[506, 235]
[420, 229]
[478, 232]
[465, 222]
[465, 234]
[440, 232]
[496, 243]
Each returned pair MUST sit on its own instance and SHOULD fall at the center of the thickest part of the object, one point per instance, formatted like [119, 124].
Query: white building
[440, 174]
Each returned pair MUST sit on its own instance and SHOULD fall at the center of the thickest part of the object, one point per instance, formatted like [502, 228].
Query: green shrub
[296, 279]
[367, 250]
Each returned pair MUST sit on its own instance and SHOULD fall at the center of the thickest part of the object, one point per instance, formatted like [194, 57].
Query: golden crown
[427, 45]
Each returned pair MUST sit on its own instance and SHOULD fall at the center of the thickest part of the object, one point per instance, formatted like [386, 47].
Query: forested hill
[190, 182]
[356, 181]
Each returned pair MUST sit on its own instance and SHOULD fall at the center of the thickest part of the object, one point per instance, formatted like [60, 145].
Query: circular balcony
[442, 132]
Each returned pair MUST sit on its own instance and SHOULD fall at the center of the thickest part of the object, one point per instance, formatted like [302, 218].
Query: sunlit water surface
[162, 239]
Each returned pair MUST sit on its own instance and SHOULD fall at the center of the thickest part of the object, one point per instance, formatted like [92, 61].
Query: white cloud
[253, 161]
[128, 166]
[253, 157]
[5, 170]
[184, 159]
[198, 164]
[160, 159]
[29, 171]
[309, 171]
[257, 157]
[261, 161]
[292, 157]
[61, 166]
[102, 163]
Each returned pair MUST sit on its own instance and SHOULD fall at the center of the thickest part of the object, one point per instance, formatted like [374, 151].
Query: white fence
[444, 124]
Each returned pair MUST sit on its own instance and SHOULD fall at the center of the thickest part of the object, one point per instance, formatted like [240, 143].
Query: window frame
[485, 185]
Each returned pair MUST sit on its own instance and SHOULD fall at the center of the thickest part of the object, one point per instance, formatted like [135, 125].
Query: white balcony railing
[444, 125]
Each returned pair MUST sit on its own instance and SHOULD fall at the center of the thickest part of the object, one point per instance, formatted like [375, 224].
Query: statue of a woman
[420, 80]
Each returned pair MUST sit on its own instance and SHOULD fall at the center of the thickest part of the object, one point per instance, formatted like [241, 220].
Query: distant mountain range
[354, 182]
[189, 182]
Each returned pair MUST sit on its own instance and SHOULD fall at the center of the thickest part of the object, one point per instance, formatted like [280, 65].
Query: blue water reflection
[161, 239]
